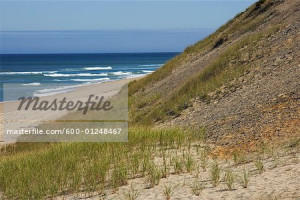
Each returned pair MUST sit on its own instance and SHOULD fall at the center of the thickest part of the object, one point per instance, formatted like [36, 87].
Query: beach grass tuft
[215, 174]
[197, 187]
[65, 168]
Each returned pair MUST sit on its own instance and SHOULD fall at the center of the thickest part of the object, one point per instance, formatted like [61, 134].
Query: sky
[43, 26]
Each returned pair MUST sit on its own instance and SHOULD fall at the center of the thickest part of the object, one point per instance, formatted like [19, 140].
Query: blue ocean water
[46, 74]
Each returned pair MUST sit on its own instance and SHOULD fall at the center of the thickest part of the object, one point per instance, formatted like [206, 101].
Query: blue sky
[110, 26]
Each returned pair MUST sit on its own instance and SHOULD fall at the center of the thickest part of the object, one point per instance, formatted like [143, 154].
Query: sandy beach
[11, 118]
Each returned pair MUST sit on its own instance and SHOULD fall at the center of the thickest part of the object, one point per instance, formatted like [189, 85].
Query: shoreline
[11, 118]
[73, 88]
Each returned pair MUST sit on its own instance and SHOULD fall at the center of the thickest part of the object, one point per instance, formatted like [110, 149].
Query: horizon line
[133, 29]
[91, 53]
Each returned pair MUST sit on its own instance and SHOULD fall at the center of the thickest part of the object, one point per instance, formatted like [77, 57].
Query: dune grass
[245, 178]
[147, 108]
[241, 23]
[215, 174]
[169, 190]
[132, 193]
[96, 168]
[197, 187]
[229, 179]
[65, 168]
[218, 73]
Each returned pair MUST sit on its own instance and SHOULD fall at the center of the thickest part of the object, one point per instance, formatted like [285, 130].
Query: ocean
[47, 74]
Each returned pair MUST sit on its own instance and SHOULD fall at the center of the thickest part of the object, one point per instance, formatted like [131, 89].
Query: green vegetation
[242, 23]
[197, 188]
[245, 178]
[203, 158]
[132, 193]
[239, 158]
[218, 73]
[154, 176]
[259, 165]
[147, 108]
[94, 168]
[189, 163]
[229, 179]
[168, 191]
[65, 168]
[215, 174]
[165, 169]
[178, 165]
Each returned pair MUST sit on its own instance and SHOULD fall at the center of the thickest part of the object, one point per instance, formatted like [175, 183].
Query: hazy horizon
[101, 41]
[31, 27]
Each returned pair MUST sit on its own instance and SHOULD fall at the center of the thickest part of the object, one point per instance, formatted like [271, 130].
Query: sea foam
[91, 80]
[31, 84]
[120, 73]
[98, 68]
[147, 71]
[73, 75]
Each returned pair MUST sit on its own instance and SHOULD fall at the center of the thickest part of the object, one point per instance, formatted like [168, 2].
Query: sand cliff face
[260, 103]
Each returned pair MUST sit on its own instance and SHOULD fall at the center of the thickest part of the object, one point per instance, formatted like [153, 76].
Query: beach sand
[11, 118]
[279, 179]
